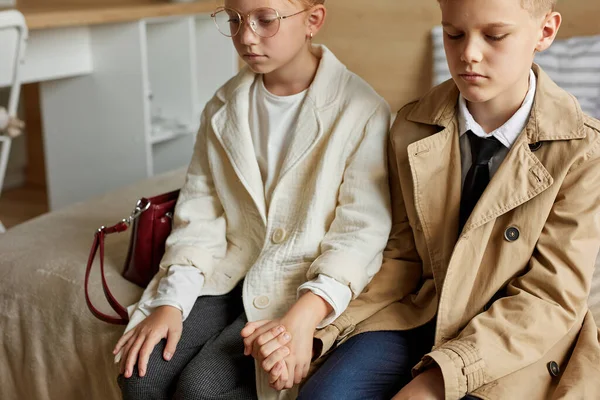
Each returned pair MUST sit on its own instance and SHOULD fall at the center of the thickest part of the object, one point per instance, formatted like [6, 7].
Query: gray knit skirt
[209, 362]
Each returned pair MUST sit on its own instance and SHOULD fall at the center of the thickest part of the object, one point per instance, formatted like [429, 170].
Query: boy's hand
[290, 339]
[266, 341]
[297, 363]
[429, 385]
[138, 343]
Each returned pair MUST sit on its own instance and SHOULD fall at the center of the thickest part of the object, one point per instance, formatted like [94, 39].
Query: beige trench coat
[509, 293]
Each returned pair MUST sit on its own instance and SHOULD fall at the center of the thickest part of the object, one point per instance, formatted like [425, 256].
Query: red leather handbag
[150, 223]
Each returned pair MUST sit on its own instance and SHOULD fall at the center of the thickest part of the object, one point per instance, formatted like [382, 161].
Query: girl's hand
[138, 343]
[289, 340]
[266, 341]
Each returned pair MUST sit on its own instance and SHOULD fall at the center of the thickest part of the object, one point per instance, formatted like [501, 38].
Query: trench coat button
[261, 302]
[553, 368]
[511, 234]
[535, 146]
[279, 235]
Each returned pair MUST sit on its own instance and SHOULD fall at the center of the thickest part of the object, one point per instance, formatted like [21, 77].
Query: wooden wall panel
[384, 41]
[387, 41]
[580, 17]
[46, 4]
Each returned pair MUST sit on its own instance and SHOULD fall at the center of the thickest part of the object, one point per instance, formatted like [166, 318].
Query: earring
[311, 36]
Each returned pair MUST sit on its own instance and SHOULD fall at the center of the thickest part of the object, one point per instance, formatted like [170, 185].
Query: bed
[51, 347]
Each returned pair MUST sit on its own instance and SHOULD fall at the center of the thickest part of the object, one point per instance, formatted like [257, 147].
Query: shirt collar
[508, 133]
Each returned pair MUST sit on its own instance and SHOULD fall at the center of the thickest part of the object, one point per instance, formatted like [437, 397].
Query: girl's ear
[315, 20]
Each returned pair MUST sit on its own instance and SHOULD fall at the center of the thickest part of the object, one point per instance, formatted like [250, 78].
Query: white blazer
[330, 209]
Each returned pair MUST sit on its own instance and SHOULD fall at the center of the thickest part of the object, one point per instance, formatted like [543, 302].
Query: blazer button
[261, 302]
[512, 234]
[278, 236]
[553, 368]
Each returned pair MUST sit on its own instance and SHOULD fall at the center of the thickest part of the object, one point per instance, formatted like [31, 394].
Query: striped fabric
[574, 64]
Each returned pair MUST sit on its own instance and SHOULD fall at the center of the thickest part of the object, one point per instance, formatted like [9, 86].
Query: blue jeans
[372, 365]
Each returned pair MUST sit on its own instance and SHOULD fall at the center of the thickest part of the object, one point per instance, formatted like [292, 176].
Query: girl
[283, 217]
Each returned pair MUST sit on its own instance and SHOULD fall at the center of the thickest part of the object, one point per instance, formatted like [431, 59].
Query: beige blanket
[51, 347]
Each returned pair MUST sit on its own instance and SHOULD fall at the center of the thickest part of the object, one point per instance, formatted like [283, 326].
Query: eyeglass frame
[244, 18]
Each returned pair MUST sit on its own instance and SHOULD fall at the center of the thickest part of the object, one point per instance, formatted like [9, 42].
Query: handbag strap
[98, 244]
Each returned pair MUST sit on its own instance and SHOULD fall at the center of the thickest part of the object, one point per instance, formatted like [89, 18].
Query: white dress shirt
[507, 134]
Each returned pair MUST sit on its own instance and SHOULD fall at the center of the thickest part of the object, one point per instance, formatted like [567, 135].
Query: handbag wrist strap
[98, 244]
[141, 206]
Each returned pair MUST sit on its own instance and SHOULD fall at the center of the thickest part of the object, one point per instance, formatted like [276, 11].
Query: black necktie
[478, 177]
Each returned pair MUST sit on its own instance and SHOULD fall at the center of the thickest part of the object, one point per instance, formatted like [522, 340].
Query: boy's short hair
[536, 7]
[539, 7]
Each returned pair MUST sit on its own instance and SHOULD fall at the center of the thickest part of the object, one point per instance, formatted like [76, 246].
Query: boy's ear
[316, 19]
[550, 27]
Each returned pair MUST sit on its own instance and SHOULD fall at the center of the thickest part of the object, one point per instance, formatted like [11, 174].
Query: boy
[485, 281]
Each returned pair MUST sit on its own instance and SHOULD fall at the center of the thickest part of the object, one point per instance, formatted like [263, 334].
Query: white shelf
[215, 57]
[168, 130]
[173, 153]
[117, 121]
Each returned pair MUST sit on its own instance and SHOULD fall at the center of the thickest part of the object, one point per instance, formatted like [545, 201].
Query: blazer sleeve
[351, 251]
[198, 238]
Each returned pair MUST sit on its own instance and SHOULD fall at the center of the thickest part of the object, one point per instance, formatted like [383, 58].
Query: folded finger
[249, 341]
[290, 381]
[251, 327]
[305, 370]
[275, 372]
[275, 357]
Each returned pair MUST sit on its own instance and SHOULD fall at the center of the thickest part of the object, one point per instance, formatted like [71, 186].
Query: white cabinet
[137, 112]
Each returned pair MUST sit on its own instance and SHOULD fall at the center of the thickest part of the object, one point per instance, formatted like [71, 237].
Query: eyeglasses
[265, 21]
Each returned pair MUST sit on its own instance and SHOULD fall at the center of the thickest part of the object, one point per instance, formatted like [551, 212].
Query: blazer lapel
[232, 129]
[307, 133]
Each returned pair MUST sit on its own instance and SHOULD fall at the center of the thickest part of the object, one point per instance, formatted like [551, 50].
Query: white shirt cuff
[333, 292]
[180, 288]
